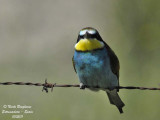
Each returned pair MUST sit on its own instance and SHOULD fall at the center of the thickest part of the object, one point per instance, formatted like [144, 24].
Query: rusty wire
[47, 85]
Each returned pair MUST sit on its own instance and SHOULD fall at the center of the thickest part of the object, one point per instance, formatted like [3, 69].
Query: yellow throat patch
[88, 45]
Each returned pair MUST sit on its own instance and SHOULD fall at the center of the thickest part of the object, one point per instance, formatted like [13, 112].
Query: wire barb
[47, 85]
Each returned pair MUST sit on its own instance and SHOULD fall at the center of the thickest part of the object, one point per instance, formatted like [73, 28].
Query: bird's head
[89, 39]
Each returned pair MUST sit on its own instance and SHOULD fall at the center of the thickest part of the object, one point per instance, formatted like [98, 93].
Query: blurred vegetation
[37, 41]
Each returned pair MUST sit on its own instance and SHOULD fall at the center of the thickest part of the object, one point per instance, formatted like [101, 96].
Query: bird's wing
[73, 64]
[115, 66]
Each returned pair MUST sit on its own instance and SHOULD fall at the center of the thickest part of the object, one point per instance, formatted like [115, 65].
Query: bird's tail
[115, 99]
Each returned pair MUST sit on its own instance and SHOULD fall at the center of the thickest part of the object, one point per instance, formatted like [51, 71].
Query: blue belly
[93, 69]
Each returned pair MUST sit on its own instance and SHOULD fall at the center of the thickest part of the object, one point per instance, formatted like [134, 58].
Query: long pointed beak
[86, 35]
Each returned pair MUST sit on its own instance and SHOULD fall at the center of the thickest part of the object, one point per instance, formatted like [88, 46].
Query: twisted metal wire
[50, 85]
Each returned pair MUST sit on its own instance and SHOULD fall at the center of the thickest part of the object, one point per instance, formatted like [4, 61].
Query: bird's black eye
[93, 36]
[79, 37]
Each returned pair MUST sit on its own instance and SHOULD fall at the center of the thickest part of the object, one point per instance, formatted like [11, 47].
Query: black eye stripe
[93, 36]
[89, 35]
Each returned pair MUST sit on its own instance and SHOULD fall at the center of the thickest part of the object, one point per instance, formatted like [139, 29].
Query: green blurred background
[37, 40]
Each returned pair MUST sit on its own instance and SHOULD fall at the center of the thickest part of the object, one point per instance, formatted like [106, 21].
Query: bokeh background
[37, 39]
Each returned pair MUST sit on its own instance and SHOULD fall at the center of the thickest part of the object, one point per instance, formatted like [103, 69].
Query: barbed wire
[47, 85]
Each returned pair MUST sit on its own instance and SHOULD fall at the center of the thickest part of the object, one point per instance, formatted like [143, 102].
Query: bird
[96, 65]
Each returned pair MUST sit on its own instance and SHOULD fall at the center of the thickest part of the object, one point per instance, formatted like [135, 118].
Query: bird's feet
[82, 86]
[111, 88]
